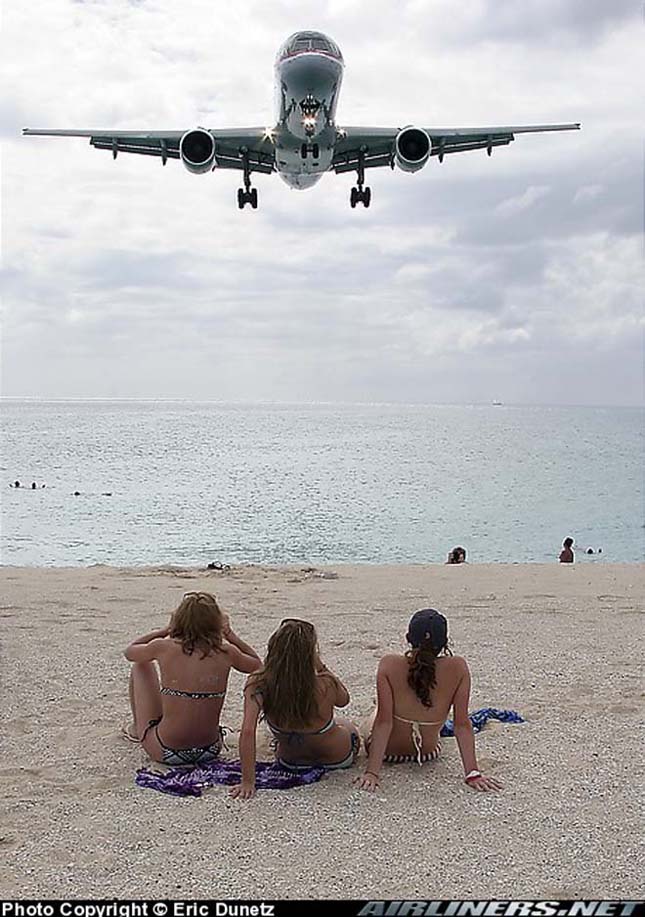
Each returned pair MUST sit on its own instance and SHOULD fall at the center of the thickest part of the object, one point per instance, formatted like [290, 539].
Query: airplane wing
[231, 145]
[376, 144]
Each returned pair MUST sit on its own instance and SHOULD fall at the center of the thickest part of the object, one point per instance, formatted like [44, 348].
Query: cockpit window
[309, 41]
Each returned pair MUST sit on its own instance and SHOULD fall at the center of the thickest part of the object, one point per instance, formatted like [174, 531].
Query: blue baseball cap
[428, 624]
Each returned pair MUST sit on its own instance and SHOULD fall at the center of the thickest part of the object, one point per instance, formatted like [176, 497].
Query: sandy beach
[558, 644]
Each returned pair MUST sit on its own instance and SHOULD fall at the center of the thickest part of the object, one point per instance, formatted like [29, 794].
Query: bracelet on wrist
[473, 775]
[372, 774]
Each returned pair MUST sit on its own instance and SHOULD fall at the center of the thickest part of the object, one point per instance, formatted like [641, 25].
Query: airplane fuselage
[307, 85]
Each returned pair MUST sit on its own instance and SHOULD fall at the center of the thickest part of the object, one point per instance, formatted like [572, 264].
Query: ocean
[196, 482]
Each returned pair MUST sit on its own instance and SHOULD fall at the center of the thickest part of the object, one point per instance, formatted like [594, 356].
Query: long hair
[198, 623]
[286, 683]
[422, 661]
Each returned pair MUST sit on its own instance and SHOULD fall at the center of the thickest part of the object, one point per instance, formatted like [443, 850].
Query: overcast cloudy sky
[518, 277]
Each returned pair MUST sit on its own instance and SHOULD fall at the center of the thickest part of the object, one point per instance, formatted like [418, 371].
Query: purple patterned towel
[183, 781]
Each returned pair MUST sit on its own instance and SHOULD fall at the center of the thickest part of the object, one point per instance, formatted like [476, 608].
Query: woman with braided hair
[415, 692]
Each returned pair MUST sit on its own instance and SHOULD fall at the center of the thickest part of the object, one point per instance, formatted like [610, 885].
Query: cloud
[514, 205]
[473, 279]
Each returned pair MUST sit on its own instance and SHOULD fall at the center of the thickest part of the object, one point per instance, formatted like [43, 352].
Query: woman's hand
[242, 791]
[484, 784]
[367, 781]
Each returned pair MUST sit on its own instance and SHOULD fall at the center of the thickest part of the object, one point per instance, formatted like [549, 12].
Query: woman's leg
[145, 697]
[365, 727]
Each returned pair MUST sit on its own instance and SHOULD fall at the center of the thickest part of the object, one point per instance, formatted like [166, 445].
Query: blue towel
[479, 718]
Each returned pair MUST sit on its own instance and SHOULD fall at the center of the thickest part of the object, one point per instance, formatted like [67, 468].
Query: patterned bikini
[180, 757]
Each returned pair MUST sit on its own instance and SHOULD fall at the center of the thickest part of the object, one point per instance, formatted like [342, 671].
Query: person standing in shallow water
[566, 554]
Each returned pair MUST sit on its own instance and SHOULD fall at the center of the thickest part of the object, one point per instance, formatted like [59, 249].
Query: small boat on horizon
[496, 402]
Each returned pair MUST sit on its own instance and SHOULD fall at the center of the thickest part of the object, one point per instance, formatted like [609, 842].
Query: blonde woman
[296, 695]
[177, 720]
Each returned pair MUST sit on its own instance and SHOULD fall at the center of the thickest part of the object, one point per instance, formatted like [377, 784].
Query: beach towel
[479, 718]
[182, 781]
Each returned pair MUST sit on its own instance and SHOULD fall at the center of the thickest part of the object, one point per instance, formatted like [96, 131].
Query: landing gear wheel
[353, 197]
[315, 151]
[247, 197]
[367, 197]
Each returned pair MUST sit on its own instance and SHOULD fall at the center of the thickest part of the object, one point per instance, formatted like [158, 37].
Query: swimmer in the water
[566, 554]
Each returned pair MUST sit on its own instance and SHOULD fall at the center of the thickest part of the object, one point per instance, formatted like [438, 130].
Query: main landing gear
[360, 194]
[250, 196]
[314, 149]
[247, 194]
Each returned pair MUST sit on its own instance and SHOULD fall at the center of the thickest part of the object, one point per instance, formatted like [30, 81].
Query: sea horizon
[135, 482]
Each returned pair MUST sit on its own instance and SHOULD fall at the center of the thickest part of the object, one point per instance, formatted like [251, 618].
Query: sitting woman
[296, 694]
[415, 693]
[177, 722]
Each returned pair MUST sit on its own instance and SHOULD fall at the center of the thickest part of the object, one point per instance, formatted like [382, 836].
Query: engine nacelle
[197, 150]
[412, 149]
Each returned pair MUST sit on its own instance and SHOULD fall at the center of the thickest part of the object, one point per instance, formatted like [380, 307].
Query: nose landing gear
[360, 194]
[247, 194]
[314, 149]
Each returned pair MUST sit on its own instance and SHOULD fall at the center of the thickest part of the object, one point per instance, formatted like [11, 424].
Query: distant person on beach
[415, 692]
[295, 694]
[34, 486]
[457, 556]
[566, 554]
[177, 720]
[15, 484]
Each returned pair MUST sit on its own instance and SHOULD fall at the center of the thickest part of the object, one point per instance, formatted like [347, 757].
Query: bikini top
[193, 695]
[415, 730]
[299, 737]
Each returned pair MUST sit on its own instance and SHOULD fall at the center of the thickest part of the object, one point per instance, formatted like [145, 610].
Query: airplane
[305, 142]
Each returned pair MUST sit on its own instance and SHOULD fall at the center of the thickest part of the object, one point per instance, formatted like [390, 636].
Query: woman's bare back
[408, 708]
[188, 717]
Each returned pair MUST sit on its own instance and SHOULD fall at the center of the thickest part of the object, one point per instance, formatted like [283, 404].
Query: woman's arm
[144, 649]
[246, 789]
[381, 731]
[340, 694]
[243, 656]
[466, 737]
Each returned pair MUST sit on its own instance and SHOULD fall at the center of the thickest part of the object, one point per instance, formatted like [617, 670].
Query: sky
[517, 277]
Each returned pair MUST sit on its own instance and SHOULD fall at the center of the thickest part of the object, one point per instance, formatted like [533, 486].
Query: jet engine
[197, 150]
[412, 149]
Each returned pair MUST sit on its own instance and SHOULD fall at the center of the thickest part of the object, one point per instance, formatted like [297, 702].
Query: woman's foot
[128, 732]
